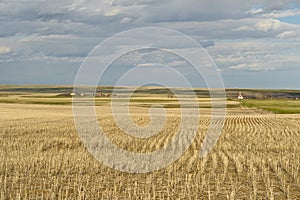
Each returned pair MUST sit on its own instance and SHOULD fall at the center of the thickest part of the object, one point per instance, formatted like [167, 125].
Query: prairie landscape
[42, 157]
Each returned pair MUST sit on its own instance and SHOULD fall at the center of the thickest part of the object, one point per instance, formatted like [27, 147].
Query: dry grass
[42, 157]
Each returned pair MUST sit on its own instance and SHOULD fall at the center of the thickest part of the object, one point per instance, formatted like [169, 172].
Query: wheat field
[42, 157]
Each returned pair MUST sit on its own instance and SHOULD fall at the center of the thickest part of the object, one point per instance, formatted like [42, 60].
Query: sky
[254, 44]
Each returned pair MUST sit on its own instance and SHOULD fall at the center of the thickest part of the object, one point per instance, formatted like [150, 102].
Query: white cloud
[126, 20]
[281, 13]
[112, 12]
[286, 34]
[239, 66]
[35, 37]
[269, 28]
[257, 55]
[251, 67]
[244, 28]
[152, 65]
[255, 11]
[268, 25]
[76, 5]
[4, 50]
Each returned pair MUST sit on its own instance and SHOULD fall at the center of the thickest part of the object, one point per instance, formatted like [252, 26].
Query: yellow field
[42, 157]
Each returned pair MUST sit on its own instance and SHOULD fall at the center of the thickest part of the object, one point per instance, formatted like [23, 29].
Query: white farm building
[240, 97]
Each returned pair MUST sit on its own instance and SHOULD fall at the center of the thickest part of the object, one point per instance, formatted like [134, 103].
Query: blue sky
[255, 44]
[291, 19]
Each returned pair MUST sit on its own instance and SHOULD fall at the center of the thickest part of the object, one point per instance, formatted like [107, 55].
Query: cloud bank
[43, 42]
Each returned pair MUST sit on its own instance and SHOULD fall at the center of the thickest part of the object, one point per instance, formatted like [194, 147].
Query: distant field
[276, 101]
[142, 97]
[278, 106]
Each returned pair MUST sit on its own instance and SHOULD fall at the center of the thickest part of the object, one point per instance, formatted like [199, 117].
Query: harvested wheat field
[42, 157]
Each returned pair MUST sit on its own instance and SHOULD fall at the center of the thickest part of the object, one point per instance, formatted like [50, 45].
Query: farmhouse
[240, 97]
